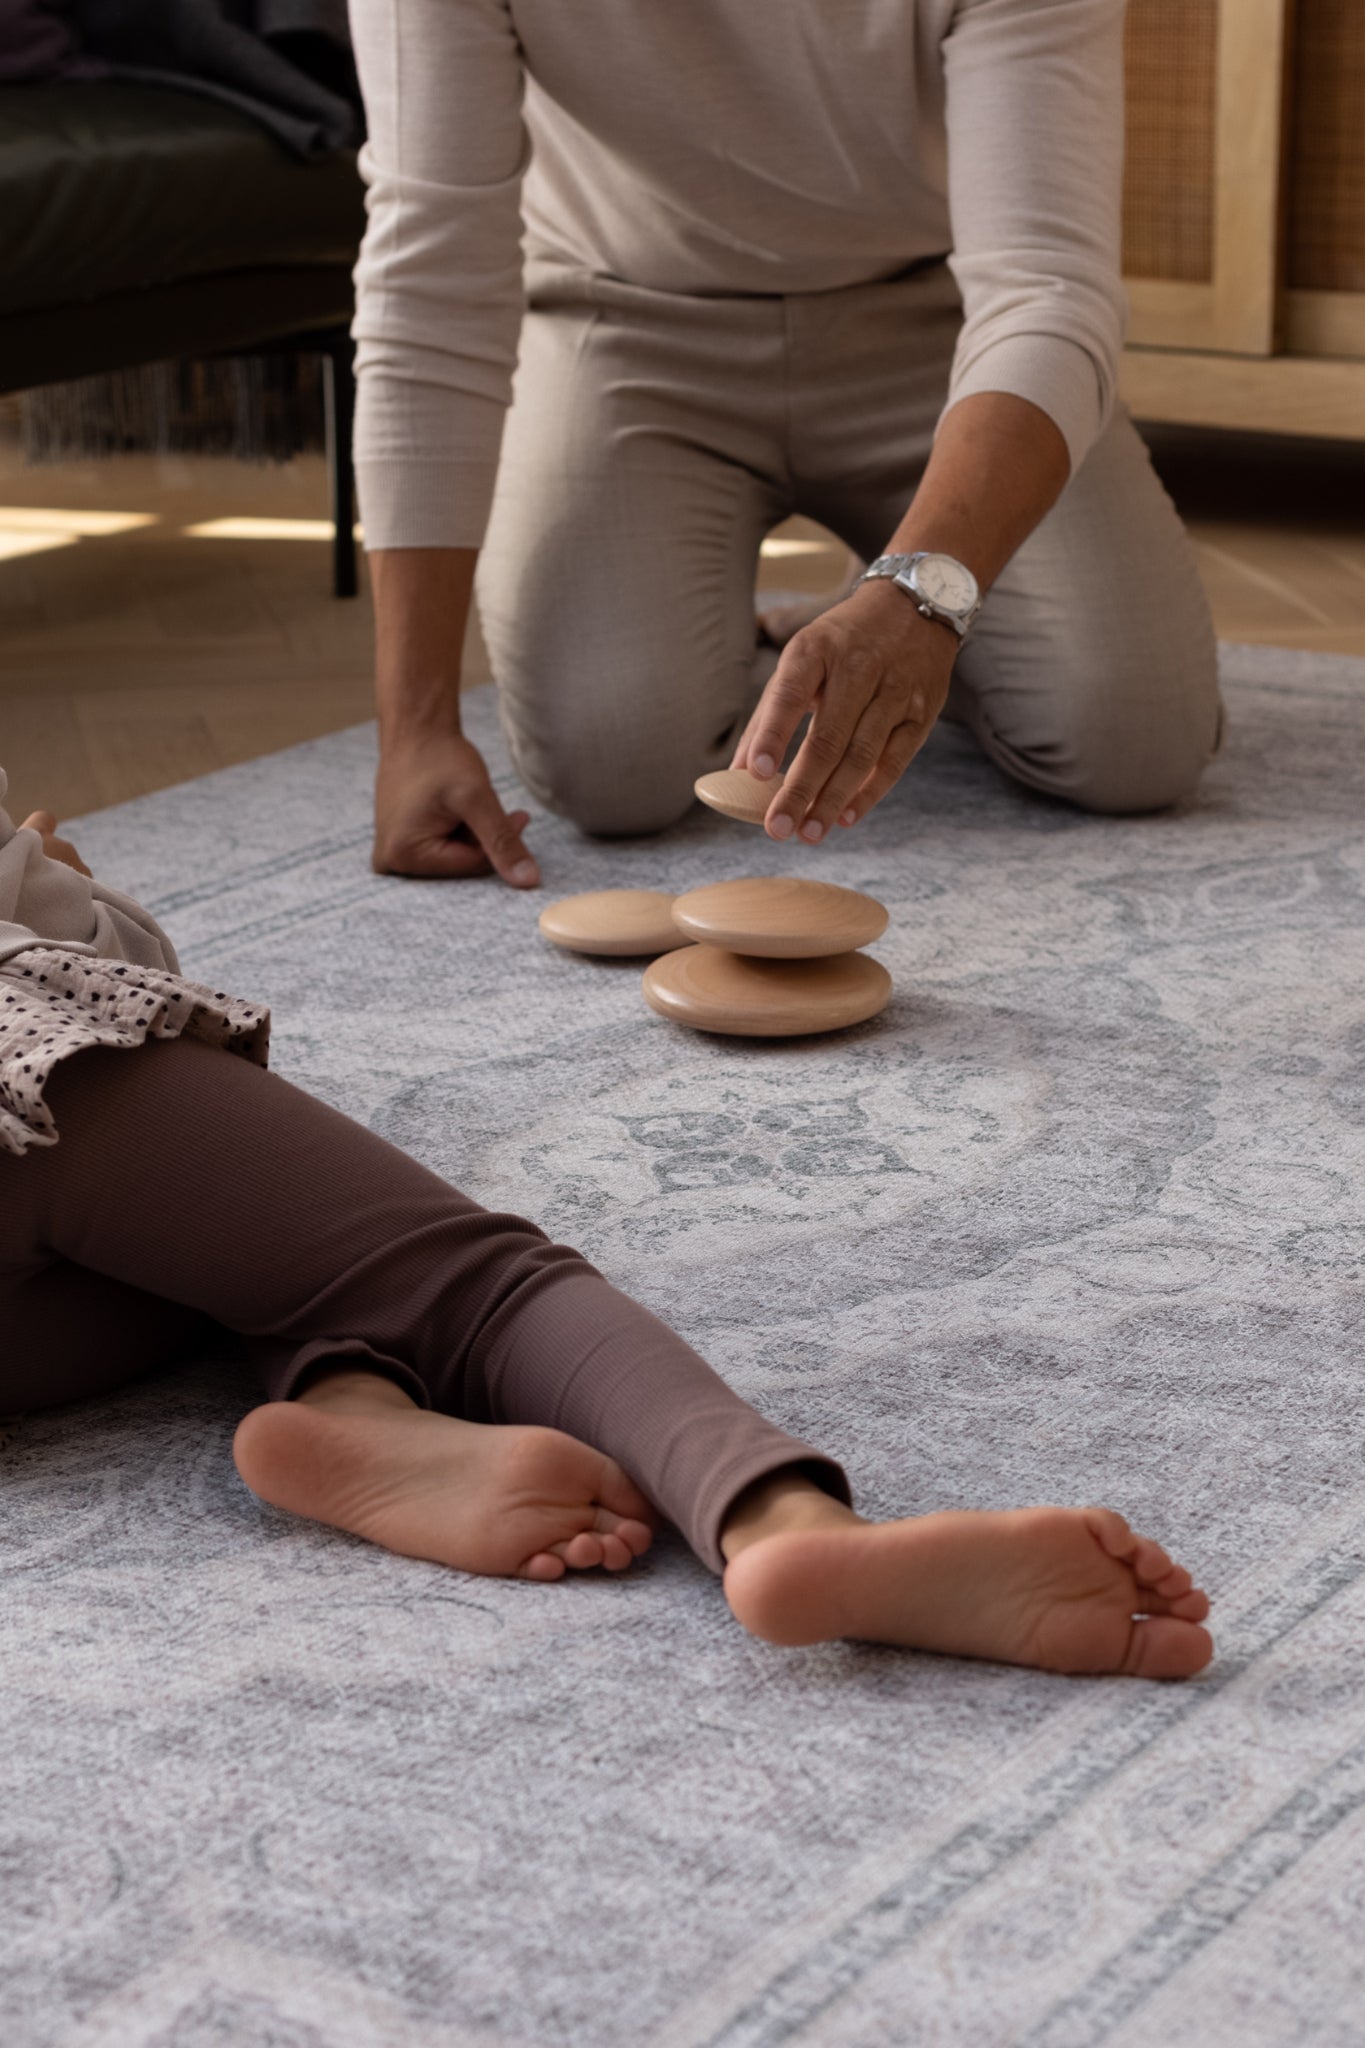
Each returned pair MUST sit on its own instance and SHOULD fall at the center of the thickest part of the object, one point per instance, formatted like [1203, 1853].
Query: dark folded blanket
[36, 41]
[286, 62]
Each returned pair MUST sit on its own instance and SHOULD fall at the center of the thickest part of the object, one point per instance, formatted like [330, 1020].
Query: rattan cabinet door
[1206, 97]
[1325, 258]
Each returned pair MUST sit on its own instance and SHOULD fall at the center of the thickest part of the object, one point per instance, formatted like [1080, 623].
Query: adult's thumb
[500, 837]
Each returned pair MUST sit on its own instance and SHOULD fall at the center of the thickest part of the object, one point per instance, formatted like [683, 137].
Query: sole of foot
[1061, 1589]
[502, 1501]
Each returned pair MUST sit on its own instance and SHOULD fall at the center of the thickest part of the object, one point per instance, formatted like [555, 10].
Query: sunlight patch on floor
[33, 529]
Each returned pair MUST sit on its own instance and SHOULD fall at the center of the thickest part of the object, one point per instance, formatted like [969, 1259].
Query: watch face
[945, 582]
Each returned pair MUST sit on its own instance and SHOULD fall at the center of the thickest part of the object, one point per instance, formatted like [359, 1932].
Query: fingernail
[848, 817]
[764, 765]
[781, 827]
[524, 873]
[812, 830]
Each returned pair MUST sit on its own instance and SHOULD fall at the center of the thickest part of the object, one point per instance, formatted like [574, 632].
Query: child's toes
[1111, 1532]
[1167, 1648]
[622, 1541]
[1149, 1563]
[1191, 1606]
[616, 1554]
[616, 1490]
[637, 1536]
[581, 1553]
[543, 1568]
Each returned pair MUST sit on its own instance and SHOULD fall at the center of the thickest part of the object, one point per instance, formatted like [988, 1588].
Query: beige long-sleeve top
[721, 146]
[82, 965]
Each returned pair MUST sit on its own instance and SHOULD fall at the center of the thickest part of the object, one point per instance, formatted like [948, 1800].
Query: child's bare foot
[355, 1452]
[1066, 1589]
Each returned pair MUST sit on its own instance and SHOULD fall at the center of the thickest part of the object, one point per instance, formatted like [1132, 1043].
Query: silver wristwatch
[938, 585]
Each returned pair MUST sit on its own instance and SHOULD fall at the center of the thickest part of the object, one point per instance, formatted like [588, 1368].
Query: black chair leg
[338, 375]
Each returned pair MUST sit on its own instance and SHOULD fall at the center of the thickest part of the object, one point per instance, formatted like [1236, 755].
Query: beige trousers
[654, 440]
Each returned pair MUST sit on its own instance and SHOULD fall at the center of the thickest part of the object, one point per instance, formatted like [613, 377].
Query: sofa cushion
[108, 187]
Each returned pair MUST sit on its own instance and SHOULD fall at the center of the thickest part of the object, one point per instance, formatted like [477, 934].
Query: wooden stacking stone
[735, 793]
[623, 922]
[775, 957]
[780, 917]
[744, 997]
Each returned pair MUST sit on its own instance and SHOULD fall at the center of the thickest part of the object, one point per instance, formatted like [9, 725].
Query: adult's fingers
[438, 854]
[39, 821]
[791, 690]
[853, 680]
[500, 837]
[861, 752]
[900, 750]
[740, 757]
[458, 856]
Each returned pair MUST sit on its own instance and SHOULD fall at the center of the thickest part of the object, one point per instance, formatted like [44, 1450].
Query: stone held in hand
[622, 922]
[780, 917]
[737, 794]
[743, 997]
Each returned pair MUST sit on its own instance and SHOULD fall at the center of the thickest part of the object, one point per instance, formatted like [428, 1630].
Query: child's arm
[48, 897]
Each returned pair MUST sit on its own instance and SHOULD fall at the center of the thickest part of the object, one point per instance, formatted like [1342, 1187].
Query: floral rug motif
[1082, 1216]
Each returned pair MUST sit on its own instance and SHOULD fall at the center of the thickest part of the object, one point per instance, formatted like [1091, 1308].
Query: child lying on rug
[442, 1380]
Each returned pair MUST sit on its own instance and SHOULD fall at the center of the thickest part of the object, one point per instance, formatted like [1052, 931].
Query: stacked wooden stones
[764, 957]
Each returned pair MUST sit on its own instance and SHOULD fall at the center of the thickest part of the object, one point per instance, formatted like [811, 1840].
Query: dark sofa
[140, 223]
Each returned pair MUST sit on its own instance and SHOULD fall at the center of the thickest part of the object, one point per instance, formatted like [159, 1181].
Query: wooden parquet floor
[146, 653]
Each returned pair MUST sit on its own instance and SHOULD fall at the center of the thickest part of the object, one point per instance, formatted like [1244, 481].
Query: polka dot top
[82, 965]
[54, 1003]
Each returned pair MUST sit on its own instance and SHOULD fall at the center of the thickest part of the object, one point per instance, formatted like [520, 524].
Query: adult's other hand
[874, 674]
[436, 813]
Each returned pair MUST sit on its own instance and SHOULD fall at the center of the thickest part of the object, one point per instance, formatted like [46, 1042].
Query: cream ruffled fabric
[54, 1003]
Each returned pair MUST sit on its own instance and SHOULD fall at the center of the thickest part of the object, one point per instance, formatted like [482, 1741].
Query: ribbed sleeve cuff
[417, 504]
[1056, 375]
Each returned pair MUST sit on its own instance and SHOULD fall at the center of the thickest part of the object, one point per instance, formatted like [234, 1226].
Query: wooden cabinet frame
[1238, 310]
[1240, 350]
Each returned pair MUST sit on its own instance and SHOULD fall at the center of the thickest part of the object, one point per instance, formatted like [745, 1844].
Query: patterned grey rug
[1079, 1218]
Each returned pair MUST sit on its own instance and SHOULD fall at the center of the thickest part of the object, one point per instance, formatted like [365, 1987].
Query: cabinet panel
[1244, 214]
[1327, 148]
[1171, 53]
[1206, 105]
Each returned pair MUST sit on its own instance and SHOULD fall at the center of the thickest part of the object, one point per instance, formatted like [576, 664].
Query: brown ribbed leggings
[190, 1187]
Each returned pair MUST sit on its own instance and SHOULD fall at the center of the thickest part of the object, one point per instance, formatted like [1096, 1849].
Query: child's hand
[45, 825]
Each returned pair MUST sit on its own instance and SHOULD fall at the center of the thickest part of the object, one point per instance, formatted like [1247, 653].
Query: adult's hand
[873, 670]
[45, 825]
[436, 813]
[874, 673]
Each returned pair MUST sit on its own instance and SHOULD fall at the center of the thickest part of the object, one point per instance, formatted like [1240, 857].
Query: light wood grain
[1170, 313]
[1238, 309]
[1253, 55]
[1259, 170]
[780, 917]
[737, 794]
[1284, 394]
[740, 997]
[624, 922]
[1325, 323]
